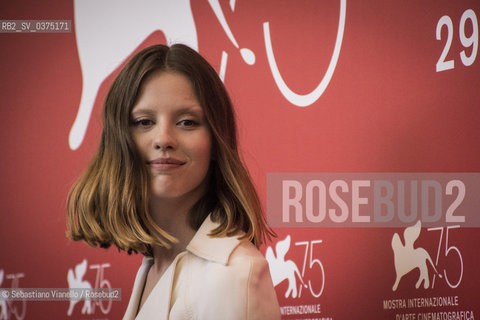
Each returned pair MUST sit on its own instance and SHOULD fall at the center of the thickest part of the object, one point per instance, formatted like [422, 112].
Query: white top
[214, 278]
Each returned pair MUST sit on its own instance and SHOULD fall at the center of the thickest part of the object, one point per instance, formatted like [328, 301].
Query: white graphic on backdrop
[247, 54]
[3, 303]
[108, 31]
[76, 280]
[10, 309]
[281, 269]
[408, 258]
[309, 98]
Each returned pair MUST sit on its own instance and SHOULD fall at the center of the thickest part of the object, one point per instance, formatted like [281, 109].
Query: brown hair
[109, 203]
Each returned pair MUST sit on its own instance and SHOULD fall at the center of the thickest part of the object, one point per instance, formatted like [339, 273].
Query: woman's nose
[164, 137]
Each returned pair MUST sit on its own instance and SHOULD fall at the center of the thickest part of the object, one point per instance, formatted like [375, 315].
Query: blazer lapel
[157, 305]
[137, 289]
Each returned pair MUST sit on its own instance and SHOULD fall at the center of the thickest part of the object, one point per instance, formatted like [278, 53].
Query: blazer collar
[201, 245]
[212, 248]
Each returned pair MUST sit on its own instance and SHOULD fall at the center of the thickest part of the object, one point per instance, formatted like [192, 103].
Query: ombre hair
[109, 202]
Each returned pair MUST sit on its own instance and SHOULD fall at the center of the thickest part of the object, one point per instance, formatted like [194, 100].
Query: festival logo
[408, 258]
[10, 309]
[436, 275]
[307, 281]
[283, 270]
[76, 280]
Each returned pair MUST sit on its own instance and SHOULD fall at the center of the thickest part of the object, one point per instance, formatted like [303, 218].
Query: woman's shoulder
[236, 257]
[247, 254]
[227, 253]
[241, 288]
[222, 249]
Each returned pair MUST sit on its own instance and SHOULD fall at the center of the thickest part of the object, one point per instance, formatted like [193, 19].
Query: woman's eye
[188, 123]
[142, 123]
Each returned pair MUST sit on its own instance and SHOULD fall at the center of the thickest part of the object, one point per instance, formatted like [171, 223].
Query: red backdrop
[384, 108]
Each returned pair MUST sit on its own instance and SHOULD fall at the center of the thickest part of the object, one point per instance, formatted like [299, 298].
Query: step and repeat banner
[358, 120]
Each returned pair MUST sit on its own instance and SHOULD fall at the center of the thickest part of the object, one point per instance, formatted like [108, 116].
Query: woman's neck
[171, 216]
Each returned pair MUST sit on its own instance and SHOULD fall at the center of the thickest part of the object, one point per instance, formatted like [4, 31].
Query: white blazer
[215, 278]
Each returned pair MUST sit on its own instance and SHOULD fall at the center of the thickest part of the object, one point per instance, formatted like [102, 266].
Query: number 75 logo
[282, 269]
[407, 257]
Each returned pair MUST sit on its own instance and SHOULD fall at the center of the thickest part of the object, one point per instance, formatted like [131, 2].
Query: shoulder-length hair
[109, 202]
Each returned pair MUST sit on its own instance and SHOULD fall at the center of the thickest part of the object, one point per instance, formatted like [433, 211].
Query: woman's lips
[165, 164]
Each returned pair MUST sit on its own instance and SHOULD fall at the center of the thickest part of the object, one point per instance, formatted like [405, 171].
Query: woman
[168, 182]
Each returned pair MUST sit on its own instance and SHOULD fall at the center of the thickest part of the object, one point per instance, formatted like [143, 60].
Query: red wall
[385, 108]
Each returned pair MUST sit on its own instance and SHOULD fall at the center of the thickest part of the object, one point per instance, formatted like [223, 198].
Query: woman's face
[171, 134]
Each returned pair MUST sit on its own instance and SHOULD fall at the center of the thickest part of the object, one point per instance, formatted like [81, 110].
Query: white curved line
[309, 98]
